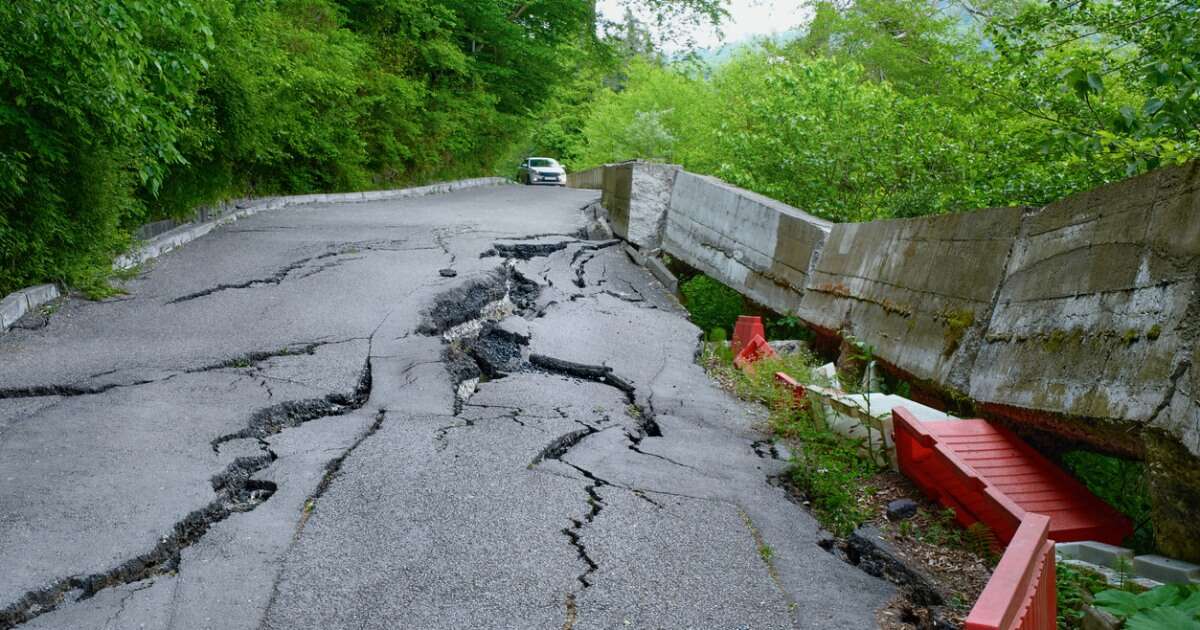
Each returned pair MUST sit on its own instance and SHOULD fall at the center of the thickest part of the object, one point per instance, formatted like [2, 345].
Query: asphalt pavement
[306, 420]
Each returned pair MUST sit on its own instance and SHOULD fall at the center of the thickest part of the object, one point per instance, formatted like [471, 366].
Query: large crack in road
[521, 444]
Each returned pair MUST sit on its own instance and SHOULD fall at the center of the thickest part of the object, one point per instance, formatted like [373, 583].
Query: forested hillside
[114, 112]
[893, 108]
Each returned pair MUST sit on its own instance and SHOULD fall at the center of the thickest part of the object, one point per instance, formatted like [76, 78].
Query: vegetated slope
[888, 108]
[115, 113]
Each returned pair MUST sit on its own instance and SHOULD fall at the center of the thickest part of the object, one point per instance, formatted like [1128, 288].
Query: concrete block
[651, 187]
[40, 294]
[1166, 570]
[659, 270]
[12, 307]
[868, 417]
[1097, 553]
[634, 255]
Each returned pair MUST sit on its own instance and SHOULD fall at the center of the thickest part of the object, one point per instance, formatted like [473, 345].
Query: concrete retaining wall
[919, 291]
[1081, 318]
[591, 179]
[1097, 315]
[752, 243]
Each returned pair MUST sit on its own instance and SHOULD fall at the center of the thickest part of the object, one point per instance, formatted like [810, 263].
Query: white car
[540, 170]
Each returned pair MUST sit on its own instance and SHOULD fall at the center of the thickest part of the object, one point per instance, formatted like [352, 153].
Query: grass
[826, 468]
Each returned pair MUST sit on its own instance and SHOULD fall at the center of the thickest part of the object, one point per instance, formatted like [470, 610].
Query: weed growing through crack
[765, 552]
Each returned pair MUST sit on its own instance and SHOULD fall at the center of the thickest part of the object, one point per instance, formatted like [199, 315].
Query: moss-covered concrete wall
[920, 291]
[1097, 313]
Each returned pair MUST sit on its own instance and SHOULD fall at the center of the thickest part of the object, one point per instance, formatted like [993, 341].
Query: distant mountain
[714, 57]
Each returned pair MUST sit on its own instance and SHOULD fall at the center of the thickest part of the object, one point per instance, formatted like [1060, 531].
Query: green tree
[1118, 79]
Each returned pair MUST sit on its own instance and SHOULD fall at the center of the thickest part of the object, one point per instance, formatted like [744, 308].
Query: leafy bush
[1004, 106]
[711, 304]
[827, 468]
[1075, 590]
[1167, 607]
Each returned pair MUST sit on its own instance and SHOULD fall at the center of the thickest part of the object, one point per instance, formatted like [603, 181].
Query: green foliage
[982, 541]
[830, 471]
[786, 327]
[942, 530]
[1127, 74]
[658, 113]
[1171, 606]
[711, 304]
[1075, 590]
[826, 467]
[1122, 484]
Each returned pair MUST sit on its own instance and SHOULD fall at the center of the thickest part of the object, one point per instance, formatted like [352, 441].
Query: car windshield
[542, 162]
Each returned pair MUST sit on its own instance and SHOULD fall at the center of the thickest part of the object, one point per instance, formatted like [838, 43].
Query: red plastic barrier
[746, 329]
[1021, 595]
[987, 474]
[799, 394]
[756, 349]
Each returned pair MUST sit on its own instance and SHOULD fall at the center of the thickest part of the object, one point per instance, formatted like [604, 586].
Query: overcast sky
[747, 19]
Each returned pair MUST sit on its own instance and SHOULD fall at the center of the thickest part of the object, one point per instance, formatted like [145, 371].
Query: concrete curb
[17, 304]
[168, 241]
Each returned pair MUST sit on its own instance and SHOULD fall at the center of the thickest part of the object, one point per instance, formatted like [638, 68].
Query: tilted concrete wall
[919, 291]
[1081, 318]
[1098, 312]
[760, 246]
[637, 195]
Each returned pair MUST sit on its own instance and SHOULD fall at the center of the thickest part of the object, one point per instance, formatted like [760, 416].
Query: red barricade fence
[1022, 594]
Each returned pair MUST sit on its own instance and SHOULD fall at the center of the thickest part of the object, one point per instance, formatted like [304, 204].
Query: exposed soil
[958, 572]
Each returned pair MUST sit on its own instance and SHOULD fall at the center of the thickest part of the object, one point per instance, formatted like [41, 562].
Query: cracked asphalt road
[298, 422]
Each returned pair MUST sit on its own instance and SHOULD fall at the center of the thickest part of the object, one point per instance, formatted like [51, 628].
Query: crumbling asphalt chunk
[497, 352]
[868, 550]
[597, 373]
[525, 251]
[469, 301]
